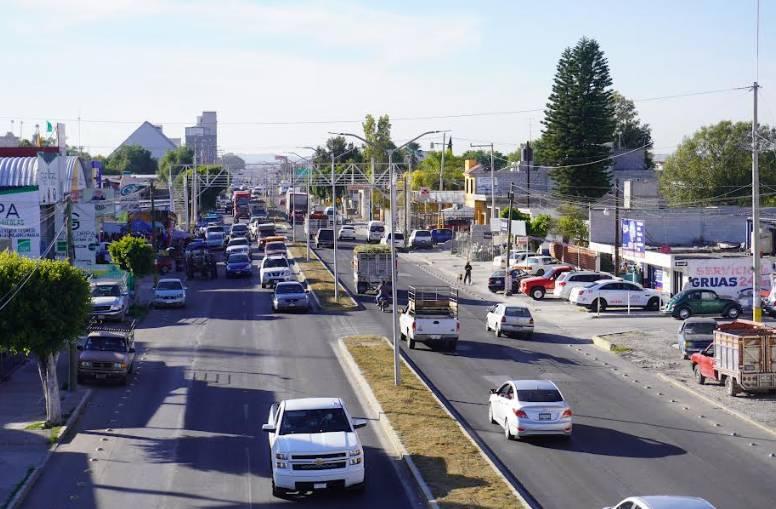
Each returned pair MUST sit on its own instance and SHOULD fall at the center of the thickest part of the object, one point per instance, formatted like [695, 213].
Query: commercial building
[202, 138]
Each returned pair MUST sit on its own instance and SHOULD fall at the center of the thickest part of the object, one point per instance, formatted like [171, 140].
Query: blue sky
[120, 62]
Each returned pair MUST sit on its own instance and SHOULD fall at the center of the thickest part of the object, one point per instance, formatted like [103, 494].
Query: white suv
[274, 269]
[314, 446]
[570, 280]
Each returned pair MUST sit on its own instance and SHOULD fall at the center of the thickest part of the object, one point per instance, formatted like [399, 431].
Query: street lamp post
[492, 180]
[334, 227]
[309, 173]
[394, 275]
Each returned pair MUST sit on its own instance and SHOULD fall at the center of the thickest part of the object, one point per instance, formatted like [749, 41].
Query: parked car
[496, 279]
[441, 235]
[663, 502]
[701, 301]
[510, 319]
[290, 296]
[110, 300]
[608, 293]
[238, 265]
[694, 335]
[529, 407]
[538, 286]
[314, 446]
[274, 269]
[420, 239]
[347, 232]
[515, 258]
[576, 278]
[108, 353]
[324, 238]
[275, 249]
[169, 292]
[538, 265]
[398, 240]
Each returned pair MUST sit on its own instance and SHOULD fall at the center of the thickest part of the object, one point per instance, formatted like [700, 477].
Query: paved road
[627, 440]
[186, 432]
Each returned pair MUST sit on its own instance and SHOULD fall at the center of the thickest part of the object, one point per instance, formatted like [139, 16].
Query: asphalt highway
[186, 431]
[629, 438]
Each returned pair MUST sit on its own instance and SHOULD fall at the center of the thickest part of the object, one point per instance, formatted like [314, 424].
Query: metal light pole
[394, 275]
[334, 228]
[309, 173]
[757, 313]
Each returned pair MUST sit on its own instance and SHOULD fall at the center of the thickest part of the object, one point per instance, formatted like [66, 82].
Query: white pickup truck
[314, 446]
[431, 317]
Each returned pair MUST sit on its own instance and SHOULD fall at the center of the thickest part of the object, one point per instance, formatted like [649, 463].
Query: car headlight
[115, 307]
[119, 365]
[355, 456]
[86, 364]
[281, 464]
[281, 456]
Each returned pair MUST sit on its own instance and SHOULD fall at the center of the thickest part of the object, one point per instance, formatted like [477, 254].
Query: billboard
[20, 220]
[632, 235]
[726, 276]
[84, 233]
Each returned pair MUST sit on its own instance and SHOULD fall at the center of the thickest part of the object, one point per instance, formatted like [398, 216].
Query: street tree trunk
[47, 368]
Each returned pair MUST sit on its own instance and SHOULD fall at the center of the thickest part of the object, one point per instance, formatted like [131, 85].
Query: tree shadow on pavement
[609, 442]
[486, 350]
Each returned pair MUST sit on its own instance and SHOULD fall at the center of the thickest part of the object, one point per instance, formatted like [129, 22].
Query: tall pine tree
[579, 122]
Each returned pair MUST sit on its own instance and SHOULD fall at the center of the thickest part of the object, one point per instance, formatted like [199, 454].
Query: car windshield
[700, 328]
[216, 235]
[239, 258]
[328, 420]
[377, 228]
[105, 344]
[422, 233]
[539, 395]
[242, 241]
[106, 291]
[169, 285]
[517, 311]
[276, 246]
[215, 229]
[270, 263]
[239, 227]
[292, 288]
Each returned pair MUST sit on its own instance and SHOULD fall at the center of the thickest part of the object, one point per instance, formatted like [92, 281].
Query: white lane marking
[248, 477]
[245, 411]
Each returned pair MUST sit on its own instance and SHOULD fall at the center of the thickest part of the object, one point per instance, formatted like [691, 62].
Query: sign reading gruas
[727, 276]
[20, 220]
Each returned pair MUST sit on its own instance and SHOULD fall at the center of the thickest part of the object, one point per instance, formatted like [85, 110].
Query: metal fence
[464, 246]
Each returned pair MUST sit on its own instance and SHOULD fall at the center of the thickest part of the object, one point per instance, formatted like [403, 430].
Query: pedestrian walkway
[450, 268]
[22, 404]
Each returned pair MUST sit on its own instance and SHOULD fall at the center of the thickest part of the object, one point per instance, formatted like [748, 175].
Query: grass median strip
[451, 465]
[320, 280]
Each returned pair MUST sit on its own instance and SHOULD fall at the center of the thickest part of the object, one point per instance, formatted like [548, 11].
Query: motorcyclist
[383, 292]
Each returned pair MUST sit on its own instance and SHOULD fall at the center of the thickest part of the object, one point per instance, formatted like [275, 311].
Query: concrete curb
[365, 391]
[18, 499]
[342, 285]
[301, 276]
[604, 344]
[712, 401]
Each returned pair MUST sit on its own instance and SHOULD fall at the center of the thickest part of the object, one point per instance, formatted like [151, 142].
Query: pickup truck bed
[431, 317]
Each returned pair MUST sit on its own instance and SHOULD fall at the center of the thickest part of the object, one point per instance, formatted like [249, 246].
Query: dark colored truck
[108, 353]
[742, 357]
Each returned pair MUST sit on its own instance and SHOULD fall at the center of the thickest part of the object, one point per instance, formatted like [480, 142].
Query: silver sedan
[290, 296]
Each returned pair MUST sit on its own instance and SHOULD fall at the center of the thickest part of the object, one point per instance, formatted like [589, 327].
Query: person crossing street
[467, 278]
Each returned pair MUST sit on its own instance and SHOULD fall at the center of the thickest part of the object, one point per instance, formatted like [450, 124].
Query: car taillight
[530, 321]
[562, 283]
[520, 413]
[566, 413]
[414, 326]
[504, 319]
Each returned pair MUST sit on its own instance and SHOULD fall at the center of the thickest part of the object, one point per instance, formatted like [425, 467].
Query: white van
[374, 231]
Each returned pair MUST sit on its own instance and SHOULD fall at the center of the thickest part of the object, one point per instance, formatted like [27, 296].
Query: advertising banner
[726, 276]
[20, 220]
[84, 233]
[129, 191]
[633, 235]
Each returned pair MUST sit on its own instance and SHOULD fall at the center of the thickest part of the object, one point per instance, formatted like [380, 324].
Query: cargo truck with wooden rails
[431, 317]
[742, 357]
[314, 222]
[371, 267]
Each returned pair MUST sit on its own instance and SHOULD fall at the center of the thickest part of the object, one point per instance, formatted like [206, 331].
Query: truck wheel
[699, 378]
[684, 313]
[537, 293]
[453, 346]
[487, 327]
[507, 432]
[360, 288]
[412, 344]
[540, 272]
[731, 386]
[733, 312]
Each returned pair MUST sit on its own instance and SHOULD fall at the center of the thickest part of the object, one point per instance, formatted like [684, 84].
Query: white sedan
[607, 293]
[529, 407]
[347, 232]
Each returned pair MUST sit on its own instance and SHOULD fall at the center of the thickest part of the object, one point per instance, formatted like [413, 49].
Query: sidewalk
[21, 404]
[449, 267]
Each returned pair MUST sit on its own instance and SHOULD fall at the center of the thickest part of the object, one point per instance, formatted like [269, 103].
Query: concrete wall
[678, 227]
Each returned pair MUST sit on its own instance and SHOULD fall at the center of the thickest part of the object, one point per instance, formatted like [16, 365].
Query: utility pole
[307, 219]
[72, 379]
[292, 197]
[442, 166]
[406, 206]
[153, 232]
[334, 227]
[492, 180]
[617, 229]
[508, 272]
[757, 314]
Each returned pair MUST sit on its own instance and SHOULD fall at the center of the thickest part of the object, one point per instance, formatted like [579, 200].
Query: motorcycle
[384, 304]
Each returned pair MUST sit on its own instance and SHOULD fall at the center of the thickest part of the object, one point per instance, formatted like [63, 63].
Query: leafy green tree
[172, 159]
[514, 214]
[538, 226]
[714, 166]
[378, 134]
[629, 132]
[483, 157]
[579, 122]
[132, 159]
[344, 152]
[427, 172]
[48, 312]
[133, 254]
[571, 225]
[233, 161]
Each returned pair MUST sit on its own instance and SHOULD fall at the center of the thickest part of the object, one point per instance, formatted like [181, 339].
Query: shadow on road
[609, 442]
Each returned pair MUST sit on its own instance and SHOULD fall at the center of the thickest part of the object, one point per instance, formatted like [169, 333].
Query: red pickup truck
[538, 286]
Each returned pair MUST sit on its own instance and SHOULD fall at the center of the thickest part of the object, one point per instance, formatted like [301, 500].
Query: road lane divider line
[435, 420]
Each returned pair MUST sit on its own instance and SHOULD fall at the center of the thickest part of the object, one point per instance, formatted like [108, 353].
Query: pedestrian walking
[467, 278]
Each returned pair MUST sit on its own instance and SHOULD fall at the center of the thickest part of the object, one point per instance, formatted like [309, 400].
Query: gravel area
[658, 353]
